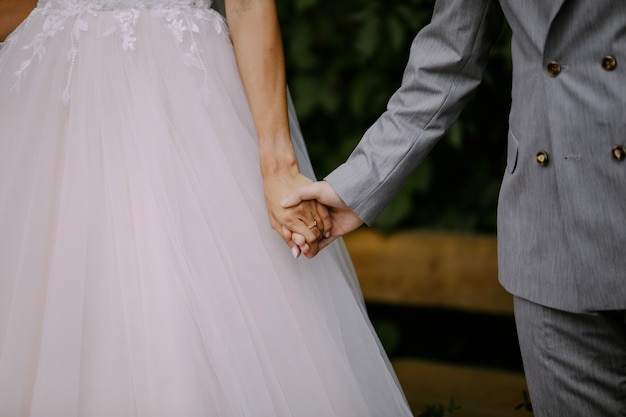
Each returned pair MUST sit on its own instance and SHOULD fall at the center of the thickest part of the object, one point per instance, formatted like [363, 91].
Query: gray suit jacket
[562, 205]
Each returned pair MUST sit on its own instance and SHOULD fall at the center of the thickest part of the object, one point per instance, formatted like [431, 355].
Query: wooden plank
[429, 269]
[12, 13]
[480, 392]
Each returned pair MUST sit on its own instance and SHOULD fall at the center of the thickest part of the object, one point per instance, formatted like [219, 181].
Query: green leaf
[389, 334]
[397, 33]
[361, 92]
[455, 136]
[302, 5]
[305, 97]
[368, 38]
[299, 49]
[423, 176]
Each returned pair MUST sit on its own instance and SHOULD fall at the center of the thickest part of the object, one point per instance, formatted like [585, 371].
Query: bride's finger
[326, 218]
[315, 224]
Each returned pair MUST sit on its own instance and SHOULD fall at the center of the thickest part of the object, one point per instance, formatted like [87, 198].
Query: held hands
[338, 221]
[302, 225]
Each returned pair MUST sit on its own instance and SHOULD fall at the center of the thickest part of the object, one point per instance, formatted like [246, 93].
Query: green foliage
[438, 410]
[345, 59]
[526, 404]
[388, 333]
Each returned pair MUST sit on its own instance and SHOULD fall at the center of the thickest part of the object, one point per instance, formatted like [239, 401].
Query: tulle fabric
[138, 273]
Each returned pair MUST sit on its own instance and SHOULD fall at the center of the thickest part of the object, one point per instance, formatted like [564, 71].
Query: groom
[562, 204]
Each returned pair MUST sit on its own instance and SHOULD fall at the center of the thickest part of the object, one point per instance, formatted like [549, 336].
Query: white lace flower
[177, 27]
[184, 19]
[127, 20]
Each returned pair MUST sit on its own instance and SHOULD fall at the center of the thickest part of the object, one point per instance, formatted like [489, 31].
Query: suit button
[542, 158]
[619, 153]
[609, 63]
[553, 68]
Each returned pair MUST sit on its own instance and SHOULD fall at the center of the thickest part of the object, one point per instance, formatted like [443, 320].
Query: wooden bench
[446, 271]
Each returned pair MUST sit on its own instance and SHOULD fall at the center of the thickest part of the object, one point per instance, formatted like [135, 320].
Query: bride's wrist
[279, 167]
[277, 161]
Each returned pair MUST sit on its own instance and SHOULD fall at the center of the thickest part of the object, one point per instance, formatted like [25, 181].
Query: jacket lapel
[552, 8]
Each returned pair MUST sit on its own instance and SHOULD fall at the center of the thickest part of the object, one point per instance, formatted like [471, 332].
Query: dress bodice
[121, 4]
[117, 20]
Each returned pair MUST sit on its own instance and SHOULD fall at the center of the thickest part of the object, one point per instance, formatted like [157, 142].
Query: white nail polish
[295, 252]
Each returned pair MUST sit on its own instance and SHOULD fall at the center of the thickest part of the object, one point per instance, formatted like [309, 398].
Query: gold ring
[313, 225]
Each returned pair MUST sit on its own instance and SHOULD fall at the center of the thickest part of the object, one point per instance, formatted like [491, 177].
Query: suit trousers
[575, 363]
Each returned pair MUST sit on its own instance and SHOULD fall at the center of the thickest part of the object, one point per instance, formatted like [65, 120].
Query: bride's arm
[258, 48]
[12, 13]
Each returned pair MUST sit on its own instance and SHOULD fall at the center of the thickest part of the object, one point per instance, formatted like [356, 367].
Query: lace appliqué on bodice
[182, 18]
[101, 5]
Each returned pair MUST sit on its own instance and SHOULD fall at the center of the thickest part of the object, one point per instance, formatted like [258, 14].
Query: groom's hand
[298, 242]
[301, 225]
[343, 219]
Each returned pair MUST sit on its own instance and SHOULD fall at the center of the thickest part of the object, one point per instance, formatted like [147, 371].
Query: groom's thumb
[306, 192]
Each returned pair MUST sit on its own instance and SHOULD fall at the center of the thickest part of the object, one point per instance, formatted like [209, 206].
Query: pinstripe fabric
[574, 363]
[561, 228]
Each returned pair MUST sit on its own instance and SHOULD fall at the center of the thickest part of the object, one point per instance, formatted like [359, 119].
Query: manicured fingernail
[327, 235]
[295, 252]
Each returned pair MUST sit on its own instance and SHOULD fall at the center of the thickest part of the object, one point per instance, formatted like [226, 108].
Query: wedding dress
[139, 275]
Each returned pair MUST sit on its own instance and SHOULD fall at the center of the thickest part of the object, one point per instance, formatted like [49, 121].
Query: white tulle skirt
[139, 275]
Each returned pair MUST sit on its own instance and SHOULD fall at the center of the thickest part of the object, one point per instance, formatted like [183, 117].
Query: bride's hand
[342, 218]
[302, 225]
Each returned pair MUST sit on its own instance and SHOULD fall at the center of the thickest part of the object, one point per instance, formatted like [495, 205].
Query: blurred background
[344, 60]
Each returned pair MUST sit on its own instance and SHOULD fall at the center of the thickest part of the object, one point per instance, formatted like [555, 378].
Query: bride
[142, 143]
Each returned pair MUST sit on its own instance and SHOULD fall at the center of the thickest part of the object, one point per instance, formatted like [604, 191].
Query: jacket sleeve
[446, 63]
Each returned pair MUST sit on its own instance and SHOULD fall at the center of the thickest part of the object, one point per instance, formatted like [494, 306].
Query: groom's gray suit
[562, 206]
